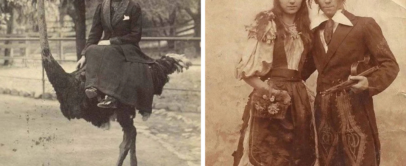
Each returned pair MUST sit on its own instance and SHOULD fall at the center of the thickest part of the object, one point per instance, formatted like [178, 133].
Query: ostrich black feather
[70, 92]
[162, 68]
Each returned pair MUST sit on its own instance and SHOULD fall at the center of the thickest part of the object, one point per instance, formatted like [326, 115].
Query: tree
[163, 16]
[169, 13]
[9, 10]
[76, 9]
[13, 10]
[19, 12]
[166, 15]
[193, 9]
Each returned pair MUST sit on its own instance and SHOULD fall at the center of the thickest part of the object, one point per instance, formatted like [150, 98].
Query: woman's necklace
[292, 29]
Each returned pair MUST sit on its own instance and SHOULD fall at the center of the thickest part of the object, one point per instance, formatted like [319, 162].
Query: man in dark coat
[345, 121]
[116, 66]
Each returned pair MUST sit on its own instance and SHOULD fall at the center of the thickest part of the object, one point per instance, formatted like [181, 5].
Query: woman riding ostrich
[114, 77]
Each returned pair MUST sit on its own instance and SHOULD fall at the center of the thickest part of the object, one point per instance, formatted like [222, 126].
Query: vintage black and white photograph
[305, 82]
[100, 82]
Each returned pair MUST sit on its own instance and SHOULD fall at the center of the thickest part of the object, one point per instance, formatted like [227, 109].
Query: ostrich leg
[130, 133]
[133, 156]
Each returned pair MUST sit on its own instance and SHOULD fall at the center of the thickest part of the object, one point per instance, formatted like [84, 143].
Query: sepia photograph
[305, 82]
[100, 82]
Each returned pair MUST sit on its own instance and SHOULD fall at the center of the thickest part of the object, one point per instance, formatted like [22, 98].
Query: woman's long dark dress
[121, 69]
[272, 143]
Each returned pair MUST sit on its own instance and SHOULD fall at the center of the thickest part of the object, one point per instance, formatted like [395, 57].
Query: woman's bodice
[288, 54]
[288, 51]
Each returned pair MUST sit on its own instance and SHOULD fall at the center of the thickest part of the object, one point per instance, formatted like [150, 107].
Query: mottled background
[227, 96]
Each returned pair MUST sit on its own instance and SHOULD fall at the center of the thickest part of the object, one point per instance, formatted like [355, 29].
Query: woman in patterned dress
[278, 42]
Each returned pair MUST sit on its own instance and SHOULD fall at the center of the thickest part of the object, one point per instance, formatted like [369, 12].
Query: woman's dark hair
[302, 21]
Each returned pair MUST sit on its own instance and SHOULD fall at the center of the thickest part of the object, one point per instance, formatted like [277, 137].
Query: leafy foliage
[161, 14]
[25, 12]
[167, 14]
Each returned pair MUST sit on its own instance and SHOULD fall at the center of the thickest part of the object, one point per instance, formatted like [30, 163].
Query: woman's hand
[104, 42]
[81, 62]
[261, 87]
[264, 90]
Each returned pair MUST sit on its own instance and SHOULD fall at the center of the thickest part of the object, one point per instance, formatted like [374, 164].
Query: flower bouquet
[272, 105]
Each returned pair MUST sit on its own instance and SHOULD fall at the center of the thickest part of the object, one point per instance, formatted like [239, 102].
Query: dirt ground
[34, 132]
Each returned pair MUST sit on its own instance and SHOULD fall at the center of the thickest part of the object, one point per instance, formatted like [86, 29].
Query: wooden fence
[24, 45]
[24, 42]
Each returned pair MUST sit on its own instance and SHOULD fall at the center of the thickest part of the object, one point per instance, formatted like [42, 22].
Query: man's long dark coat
[337, 130]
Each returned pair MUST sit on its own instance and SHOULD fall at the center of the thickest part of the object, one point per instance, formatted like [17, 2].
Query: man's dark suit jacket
[123, 29]
[349, 45]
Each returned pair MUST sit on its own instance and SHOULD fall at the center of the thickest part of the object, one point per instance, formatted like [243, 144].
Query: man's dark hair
[316, 1]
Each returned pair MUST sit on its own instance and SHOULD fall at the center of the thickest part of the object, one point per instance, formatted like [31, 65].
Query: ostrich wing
[165, 66]
[69, 88]
[74, 104]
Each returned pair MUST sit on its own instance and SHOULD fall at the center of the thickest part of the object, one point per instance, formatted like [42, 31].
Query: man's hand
[104, 42]
[361, 85]
[81, 62]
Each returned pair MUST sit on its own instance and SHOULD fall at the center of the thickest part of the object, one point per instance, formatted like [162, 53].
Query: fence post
[11, 60]
[43, 79]
[159, 48]
[11, 55]
[60, 49]
[27, 43]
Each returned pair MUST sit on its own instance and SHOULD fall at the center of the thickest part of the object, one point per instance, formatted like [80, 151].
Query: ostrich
[74, 104]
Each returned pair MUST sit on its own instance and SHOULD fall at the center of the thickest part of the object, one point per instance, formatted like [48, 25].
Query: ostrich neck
[52, 68]
[43, 35]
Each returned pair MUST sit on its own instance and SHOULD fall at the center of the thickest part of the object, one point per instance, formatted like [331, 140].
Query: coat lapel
[119, 14]
[338, 37]
[106, 13]
[318, 51]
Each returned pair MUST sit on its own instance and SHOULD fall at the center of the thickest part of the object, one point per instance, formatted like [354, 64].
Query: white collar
[339, 17]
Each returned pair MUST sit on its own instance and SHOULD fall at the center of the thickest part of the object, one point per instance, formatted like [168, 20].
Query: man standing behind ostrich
[345, 120]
